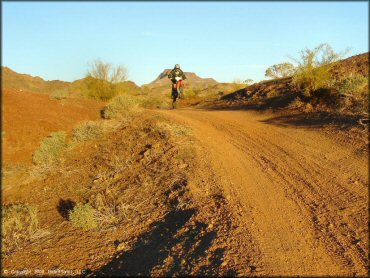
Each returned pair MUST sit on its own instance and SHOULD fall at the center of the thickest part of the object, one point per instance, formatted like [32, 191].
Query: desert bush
[59, 94]
[100, 89]
[355, 90]
[326, 97]
[107, 72]
[107, 209]
[87, 131]
[314, 66]
[50, 149]
[103, 78]
[83, 216]
[19, 223]
[191, 92]
[154, 102]
[175, 129]
[119, 106]
[280, 70]
[248, 81]
[355, 85]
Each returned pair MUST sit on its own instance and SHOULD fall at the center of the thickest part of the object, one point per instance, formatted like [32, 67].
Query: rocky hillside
[25, 82]
[193, 80]
[283, 93]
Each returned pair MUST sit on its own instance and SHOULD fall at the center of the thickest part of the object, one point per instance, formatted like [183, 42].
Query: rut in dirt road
[301, 195]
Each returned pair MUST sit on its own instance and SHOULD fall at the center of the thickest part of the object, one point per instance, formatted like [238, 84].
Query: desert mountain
[18, 81]
[26, 82]
[193, 80]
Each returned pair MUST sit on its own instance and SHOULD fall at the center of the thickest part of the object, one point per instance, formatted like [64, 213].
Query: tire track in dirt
[302, 196]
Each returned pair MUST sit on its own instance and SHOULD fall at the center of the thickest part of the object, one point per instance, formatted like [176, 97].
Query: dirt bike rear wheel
[174, 101]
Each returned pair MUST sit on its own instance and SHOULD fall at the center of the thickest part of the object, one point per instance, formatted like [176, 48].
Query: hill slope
[26, 82]
[28, 117]
[283, 93]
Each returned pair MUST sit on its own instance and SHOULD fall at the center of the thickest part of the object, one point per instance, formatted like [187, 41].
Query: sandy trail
[302, 196]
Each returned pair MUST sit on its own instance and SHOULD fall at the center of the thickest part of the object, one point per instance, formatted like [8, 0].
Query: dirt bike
[177, 91]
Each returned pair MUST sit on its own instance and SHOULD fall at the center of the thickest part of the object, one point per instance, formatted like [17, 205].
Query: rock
[253, 268]
[122, 246]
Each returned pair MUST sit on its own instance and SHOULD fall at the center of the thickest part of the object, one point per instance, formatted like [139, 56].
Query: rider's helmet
[177, 66]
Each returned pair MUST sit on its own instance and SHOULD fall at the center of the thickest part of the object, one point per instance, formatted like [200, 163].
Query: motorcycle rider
[176, 72]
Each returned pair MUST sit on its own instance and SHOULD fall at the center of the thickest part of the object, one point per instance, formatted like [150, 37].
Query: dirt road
[302, 196]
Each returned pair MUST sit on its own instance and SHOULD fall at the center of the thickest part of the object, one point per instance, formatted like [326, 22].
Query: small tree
[102, 79]
[280, 70]
[248, 81]
[314, 67]
[107, 72]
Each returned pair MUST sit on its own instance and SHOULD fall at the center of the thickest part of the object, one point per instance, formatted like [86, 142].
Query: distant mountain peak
[191, 78]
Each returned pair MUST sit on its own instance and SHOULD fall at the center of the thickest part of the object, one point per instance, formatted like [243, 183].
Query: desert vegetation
[313, 71]
[248, 81]
[50, 149]
[59, 94]
[280, 70]
[83, 216]
[19, 224]
[318, 81]
[87, 131]
[119, 106]
[103, 78]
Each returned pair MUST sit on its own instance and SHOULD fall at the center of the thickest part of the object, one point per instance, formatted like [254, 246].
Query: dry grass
[87, 131]
[19, 224]
[120, 106]
[175, 129]
[50, 149]
[59, 94]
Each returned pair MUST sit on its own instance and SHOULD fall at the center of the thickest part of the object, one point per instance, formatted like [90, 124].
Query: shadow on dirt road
[165, 244]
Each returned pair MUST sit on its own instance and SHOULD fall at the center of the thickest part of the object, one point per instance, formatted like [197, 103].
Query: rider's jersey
[176, 73]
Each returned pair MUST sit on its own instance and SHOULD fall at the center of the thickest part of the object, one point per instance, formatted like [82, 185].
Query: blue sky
[223, 40]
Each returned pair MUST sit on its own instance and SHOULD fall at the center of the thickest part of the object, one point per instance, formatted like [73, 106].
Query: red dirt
[29, 117]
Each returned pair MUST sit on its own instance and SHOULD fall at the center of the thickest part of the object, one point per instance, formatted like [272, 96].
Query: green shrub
[103, 80]
[59, 94]
[100, 89]
[355, 90]
[280, 70]
[19, 223]
[352, 85]
[119, 106]
[314, 68]
[50, 148]
[83, 216]
[87, 131]
[248, 81]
